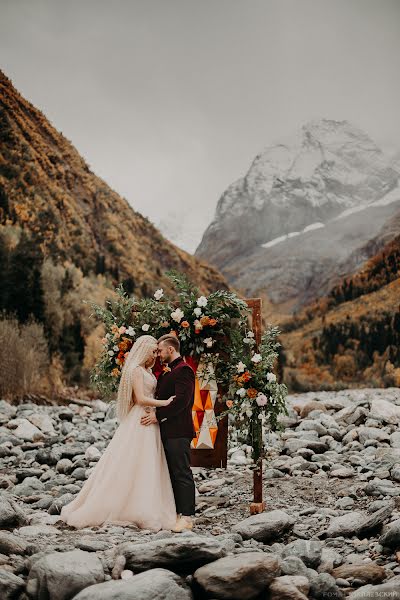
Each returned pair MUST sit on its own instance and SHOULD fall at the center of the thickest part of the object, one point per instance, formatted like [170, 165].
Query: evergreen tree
[25, 294]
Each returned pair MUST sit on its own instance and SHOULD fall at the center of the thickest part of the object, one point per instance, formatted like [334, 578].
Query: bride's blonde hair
[138, 354]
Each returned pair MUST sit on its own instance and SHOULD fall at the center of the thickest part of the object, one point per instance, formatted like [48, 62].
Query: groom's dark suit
[176, 427]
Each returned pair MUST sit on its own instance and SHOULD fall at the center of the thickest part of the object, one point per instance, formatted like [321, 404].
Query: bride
[130, 484]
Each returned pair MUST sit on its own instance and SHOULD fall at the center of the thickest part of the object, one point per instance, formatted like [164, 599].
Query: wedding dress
[130, 484]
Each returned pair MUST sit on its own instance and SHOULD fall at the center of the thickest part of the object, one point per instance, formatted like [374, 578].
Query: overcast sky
[170, 100]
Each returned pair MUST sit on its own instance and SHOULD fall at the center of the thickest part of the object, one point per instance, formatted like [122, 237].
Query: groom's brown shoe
[183, 523]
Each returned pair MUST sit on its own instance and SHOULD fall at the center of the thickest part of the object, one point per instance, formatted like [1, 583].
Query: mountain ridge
[323, 187]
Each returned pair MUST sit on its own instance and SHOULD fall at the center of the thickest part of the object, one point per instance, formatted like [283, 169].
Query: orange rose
[229, 403]
[115, 372]
[246, 376]
[185, 324]
[213, 322]
[252, 392]
[205, 321]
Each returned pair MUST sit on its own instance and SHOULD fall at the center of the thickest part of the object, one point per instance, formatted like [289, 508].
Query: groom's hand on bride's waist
[149, 419]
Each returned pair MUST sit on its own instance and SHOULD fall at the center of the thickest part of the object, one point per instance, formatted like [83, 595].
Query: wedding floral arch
[213, 329]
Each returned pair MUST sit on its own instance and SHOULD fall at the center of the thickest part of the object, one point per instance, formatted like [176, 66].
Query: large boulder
[367, 572]
[154, 584]
[238, 577]
[383, 410]
[265, 527]
[27, 431]
[43, 422]
[62, 575]
[178, 553]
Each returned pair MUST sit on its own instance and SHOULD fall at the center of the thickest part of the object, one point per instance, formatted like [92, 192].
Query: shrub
[23, 358]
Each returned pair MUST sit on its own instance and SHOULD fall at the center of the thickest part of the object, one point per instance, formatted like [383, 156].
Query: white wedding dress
[130, 484]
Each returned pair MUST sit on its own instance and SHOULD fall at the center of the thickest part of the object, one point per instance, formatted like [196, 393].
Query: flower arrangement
[254, 397]
[213, 327]
[205, 326]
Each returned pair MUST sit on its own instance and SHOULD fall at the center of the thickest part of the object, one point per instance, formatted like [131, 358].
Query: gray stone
[364, 572]
[27, 431]
[10, 513]
[390, 589]
[64, 465]
[292, 565]
[289, 587]
[382, 487]
[391, 535]
[273, 474]
[345, 525]
[56, 505]
[239, 577]
[265, 527]
[395, 439]
[372, 433]
[309, 551]
[383, 410]
[344, 503]
[184, 552]
[11, 586]
[324, 586]
[62, 575]
[12, 544]
[357, 523]
[155, 584]
[29, 487]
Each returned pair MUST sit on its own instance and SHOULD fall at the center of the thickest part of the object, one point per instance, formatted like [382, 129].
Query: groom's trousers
[177, 452]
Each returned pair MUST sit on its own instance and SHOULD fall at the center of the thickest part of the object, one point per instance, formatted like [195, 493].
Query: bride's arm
[138, 391]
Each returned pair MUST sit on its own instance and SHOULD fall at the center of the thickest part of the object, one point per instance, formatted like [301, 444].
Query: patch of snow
[287, 236]
[313, 226]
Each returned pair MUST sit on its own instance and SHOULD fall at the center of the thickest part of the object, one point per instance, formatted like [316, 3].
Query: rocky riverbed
[331, 529]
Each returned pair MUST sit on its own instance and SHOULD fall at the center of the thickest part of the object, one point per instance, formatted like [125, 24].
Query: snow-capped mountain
[313, 197]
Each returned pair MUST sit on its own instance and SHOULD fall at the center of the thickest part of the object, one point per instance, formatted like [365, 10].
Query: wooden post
[258, 505]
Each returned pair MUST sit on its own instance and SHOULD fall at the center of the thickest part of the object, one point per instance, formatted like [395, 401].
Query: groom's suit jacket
[176, 418]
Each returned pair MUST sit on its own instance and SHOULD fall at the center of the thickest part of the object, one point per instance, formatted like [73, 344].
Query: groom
[176, 425]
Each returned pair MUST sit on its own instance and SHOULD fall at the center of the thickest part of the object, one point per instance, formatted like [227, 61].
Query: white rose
[111, 352]
[241, 392]
[202, 301]
[256, 358]
[246, 341]
[208, 342]
[261, 399]
[146, 327]
[158, 294]
[271, 377]
[249, 412]
[130, 331]
[197, 311]
[250, 334]
[241, 367]
[115, 348]
[177, 315]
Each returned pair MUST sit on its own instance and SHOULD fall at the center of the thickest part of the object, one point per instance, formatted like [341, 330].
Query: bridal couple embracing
[144, 476]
